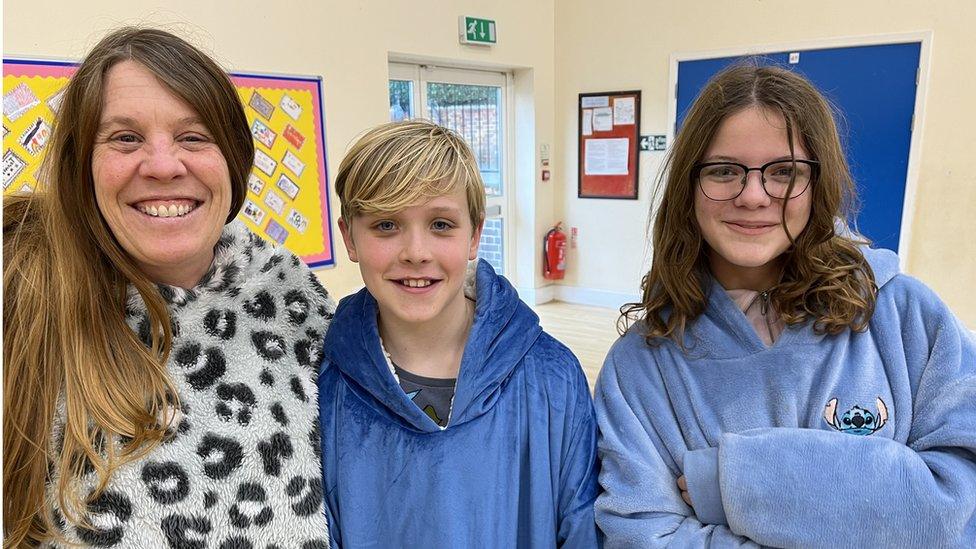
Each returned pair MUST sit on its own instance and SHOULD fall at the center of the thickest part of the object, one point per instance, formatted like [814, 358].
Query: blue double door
[874, 88]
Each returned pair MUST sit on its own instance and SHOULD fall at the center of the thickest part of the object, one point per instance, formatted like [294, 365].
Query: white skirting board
[577, 295]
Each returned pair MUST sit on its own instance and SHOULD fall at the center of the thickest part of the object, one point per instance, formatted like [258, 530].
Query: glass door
[472, 103]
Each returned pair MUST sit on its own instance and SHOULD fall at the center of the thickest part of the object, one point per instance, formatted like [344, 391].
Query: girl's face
[745, 235]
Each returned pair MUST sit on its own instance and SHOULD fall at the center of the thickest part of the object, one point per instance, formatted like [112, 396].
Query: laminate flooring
[587, 331]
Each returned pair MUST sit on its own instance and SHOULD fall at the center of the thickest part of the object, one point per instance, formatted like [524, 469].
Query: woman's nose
[163, 161]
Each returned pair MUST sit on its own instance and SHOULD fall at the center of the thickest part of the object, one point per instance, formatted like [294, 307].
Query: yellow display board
[288, 198]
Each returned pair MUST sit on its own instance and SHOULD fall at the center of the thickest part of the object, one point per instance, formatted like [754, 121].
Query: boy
[449, 418]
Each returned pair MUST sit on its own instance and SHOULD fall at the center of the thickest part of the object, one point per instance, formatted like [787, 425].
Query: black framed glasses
[726, 180]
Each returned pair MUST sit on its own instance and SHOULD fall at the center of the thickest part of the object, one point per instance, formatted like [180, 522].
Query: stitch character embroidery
[857, 420]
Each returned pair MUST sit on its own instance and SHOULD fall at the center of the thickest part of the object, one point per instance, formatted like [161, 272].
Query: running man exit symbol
[474, 30]
[653, 143]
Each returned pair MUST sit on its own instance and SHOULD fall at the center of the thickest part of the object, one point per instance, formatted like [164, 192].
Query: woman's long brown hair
[67, 349]
[825, 276]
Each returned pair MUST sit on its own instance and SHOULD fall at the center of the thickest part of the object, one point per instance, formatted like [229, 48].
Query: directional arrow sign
[474, 30]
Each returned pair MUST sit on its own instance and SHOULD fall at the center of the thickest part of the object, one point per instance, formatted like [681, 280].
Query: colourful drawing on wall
[288, 196]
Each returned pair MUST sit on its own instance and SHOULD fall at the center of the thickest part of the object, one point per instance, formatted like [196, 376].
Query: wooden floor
[587, 331]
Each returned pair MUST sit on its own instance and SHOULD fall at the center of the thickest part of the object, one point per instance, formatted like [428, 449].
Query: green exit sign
[474, 30]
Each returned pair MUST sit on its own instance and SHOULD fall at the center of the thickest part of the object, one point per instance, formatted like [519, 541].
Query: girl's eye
[721, 172]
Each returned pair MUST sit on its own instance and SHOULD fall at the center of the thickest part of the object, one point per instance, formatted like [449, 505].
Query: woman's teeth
[415, 283]
[172, 210]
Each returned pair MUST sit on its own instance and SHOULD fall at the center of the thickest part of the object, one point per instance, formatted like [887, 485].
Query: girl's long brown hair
[67, 350]
[825, 276]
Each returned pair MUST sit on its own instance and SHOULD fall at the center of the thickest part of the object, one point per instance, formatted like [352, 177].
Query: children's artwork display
[287, 192]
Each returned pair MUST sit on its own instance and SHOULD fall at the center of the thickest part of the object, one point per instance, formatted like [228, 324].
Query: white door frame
[918, 120]
[495, 207]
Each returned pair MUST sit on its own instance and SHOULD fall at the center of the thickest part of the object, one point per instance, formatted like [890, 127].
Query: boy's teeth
[416, 283]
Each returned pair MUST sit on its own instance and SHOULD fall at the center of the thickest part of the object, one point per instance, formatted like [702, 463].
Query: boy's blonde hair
[399, 164]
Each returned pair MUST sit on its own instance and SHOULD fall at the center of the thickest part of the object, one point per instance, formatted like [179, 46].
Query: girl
[783, 383]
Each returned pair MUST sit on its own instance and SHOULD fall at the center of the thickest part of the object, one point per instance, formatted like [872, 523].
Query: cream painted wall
[626, 44]
[347, 43]
[558, 51]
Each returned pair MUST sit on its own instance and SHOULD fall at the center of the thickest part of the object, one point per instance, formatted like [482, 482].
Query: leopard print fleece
[243, 467]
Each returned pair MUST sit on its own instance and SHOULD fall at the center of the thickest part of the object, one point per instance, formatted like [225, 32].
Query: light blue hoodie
[515, 466]
[855, 440]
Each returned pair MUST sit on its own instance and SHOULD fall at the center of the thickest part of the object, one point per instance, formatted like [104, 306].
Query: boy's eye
[385, 226]
[441, 225]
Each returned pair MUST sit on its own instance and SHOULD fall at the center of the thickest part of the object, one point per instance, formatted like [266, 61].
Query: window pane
[401, 100]
[475, 113]
[492, 244]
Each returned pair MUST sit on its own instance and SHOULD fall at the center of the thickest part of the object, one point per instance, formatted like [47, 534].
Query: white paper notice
[606, 156]
[587, 121]
[603, 119]
[598, 101]
[623, 110]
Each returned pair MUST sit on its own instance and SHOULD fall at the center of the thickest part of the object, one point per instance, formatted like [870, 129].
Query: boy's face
[413, 261]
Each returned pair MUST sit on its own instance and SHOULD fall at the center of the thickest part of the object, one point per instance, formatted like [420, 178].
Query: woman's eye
[127, 138]
[194, 138]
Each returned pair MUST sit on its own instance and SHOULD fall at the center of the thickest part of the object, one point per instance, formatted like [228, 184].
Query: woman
[784, 384]
[159, 359]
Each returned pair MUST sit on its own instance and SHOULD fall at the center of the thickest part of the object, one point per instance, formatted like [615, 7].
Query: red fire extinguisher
[554, 253]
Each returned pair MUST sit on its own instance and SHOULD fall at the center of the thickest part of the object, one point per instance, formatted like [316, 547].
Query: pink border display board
[288, 189]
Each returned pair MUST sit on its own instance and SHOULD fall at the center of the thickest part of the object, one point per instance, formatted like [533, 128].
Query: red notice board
[609, 129]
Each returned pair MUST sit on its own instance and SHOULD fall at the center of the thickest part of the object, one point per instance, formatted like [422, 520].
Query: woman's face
[745, 234]
[161, 182]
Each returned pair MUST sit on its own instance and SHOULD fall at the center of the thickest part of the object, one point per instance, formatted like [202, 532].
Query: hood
[504, 329]
[723, 332]
[884, 264]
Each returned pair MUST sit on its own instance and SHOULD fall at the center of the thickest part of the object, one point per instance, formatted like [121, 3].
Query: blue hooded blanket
[860, 439]
[514, 467]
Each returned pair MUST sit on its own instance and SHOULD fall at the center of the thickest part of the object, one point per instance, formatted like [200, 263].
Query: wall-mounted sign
[474, 30]
[653, 143]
